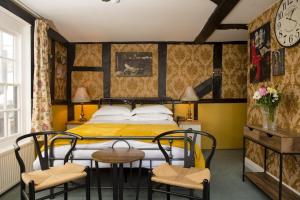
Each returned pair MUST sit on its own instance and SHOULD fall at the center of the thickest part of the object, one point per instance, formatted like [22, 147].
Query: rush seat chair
[187, 176]
[50, 177]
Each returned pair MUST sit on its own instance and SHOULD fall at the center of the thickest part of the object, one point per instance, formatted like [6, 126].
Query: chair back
[190, 140]
[46, 138]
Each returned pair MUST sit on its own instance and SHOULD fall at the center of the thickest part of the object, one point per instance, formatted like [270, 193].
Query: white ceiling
[142, 20]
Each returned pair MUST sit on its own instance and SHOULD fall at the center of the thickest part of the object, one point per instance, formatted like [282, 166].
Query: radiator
[9, 167]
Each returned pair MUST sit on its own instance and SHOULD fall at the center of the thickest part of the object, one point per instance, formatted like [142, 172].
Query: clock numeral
[283, 5]
[280, 15]
[278, 25]
[280, 34]
[291, 39]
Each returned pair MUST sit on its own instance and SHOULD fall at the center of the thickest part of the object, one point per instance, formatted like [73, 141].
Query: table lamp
[189, 96]
[81, 96]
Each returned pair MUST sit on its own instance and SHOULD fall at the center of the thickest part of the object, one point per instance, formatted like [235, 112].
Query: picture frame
[134, 64]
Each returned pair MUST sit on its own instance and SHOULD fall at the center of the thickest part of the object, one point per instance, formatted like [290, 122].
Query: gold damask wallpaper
[60, 83]
[288, 111]
[134, 86]
[92, 81]
[234, 67]
[88, 55]
[188, 65]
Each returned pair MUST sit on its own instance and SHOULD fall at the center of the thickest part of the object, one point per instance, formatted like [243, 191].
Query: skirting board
[253, 167]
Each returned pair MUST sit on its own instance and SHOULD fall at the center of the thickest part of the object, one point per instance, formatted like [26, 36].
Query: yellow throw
[128, 130]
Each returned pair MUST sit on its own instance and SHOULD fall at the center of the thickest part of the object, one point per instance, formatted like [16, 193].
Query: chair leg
[66, 191]
[22, 188]
[149, 185]
[31, 191]
[206, 190]
[169, 190]
[191, 194]
[88, 183]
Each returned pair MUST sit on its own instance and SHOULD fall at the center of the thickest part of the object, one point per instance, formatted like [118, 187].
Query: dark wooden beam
[232, 26]
[57, 37]
[222, 10]
[216, 1]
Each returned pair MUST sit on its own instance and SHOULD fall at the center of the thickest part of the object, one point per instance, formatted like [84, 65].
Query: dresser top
[278, 132]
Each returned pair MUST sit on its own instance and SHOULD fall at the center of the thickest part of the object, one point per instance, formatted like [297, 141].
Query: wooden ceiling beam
[216, 1]
[222, 10]
[232, 26]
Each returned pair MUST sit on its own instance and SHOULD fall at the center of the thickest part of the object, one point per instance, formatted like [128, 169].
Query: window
[9, 85]
[14, 76]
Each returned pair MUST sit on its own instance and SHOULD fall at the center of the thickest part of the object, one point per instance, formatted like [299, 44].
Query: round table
[117, 157]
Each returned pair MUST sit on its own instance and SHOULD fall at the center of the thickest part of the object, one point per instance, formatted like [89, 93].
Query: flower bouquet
[268, 99]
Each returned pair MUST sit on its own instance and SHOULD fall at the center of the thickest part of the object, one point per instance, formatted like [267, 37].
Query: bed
[101, 132]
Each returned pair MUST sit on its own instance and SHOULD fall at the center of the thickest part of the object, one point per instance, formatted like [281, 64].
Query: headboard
[139, 100]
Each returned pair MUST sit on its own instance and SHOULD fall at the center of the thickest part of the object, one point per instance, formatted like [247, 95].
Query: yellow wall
[224, 121]
[59, 113]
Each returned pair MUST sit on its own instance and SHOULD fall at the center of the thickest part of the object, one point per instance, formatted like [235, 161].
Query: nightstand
[193, 124]
[73, 124]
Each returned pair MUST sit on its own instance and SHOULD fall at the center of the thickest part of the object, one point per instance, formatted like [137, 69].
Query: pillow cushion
[153, 109]
[151, 117]
[101, 118]
[108, 110]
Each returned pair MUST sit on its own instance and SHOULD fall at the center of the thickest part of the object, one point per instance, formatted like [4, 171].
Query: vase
[269, 118]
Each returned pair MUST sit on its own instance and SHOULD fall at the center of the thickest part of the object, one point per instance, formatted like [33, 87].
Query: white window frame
[14, 25]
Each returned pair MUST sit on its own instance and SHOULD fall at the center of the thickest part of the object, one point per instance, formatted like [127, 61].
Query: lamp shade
[81, 95]
[189, 95]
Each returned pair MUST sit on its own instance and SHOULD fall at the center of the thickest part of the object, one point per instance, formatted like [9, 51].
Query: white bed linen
[59, 152]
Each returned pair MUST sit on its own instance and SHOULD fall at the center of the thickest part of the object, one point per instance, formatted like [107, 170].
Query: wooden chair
[50, 177]
[186, 176]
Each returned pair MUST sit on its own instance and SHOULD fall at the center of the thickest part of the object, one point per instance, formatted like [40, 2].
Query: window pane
[11, 97]
[7, 71]
[1, 124]
[1, 97]
[12, 120]
[8, 45]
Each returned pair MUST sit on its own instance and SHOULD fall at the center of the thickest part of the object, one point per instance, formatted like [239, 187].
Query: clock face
[287, 23]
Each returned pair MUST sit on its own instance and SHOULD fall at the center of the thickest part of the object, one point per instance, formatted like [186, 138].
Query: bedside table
[193, 124]
[73, 124]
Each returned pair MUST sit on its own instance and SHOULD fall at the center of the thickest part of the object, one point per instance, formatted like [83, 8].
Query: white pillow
[109, 110]
[101, 118]
[154, 109]
[151, 117]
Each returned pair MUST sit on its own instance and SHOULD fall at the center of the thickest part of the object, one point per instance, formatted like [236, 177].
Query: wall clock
[287, 23]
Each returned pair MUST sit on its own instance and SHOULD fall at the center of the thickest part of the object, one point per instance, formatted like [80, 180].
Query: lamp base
[189, 115]
[82, 118]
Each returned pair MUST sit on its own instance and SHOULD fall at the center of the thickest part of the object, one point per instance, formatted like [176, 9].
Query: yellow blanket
[126, 130]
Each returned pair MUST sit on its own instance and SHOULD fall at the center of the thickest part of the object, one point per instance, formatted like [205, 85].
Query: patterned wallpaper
[234, 67]
[188, 65]
[92, 81]
[288, 111]
[134, 86]
[60, 83]
[89, 55]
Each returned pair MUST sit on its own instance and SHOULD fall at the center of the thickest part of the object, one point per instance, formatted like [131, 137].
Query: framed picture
[132, 64]
[278, 62]
[260, 57]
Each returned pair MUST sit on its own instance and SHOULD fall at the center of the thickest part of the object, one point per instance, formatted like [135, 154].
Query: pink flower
[262, 91]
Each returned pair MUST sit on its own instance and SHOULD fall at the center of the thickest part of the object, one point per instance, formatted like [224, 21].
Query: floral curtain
[41, 105]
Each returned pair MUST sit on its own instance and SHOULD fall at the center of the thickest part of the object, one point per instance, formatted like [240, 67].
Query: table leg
[265, 159]
[280, 176]
[244, 155]
[115, 181]
[139, 180]
[98, 181]
[121, 180]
